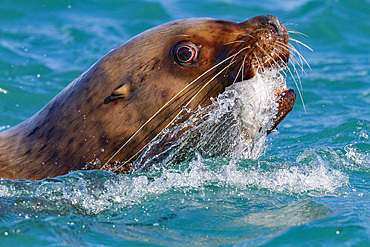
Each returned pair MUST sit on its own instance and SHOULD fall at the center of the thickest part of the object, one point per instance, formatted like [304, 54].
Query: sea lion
[126, 98]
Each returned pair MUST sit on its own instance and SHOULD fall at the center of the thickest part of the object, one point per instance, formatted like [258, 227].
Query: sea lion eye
[185, 53]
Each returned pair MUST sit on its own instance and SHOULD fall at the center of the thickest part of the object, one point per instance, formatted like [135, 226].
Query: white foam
[94, 192]
[3, 190]
[286, 178]
[3, 91]
[359, 160]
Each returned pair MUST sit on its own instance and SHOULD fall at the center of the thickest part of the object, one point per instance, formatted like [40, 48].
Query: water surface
[309, 188]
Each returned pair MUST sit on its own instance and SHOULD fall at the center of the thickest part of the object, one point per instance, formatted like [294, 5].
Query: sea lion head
[187, 62]
[114, 109]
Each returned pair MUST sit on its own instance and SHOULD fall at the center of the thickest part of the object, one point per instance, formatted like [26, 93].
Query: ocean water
[309, 187]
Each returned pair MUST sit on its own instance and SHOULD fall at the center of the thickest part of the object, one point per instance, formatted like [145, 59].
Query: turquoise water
[310, 188]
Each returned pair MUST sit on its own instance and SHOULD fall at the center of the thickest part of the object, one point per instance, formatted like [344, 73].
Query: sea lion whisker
[259, 67]
[277, 64]
[279, 45]
[235, 41]
[242, 34]
[301, 43]
[290, 24]
[299, 64]
[188, 95]
[300, 82]
[247, 35]
[295, 70]
[159, 124]
[207, 96]
[299, 91]
[294, 50]
[285, 64]
[234, 56]
[245, 56]
[300, 55]
[165, 105]
[181, 110]
[298, 33]
[282, 45]
[243, 64]
[277, 54]
[241, 50]
[205, 85]
[240, 69]
[164, 119]
[237, 53]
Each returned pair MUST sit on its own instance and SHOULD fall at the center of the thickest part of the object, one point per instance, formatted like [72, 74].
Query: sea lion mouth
[285, 100]
[267, 49]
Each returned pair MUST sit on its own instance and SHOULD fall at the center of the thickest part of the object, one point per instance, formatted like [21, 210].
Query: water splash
[234, 125]
[95, 192]
[220, 150]
[358, 160]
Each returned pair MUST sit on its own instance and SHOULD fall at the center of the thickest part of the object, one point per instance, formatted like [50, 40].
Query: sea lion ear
[120, 92]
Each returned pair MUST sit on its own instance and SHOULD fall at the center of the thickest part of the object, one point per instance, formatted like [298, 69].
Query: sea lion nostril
[274, 25]
[278, 27]
[270, 20]
[267, 21]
